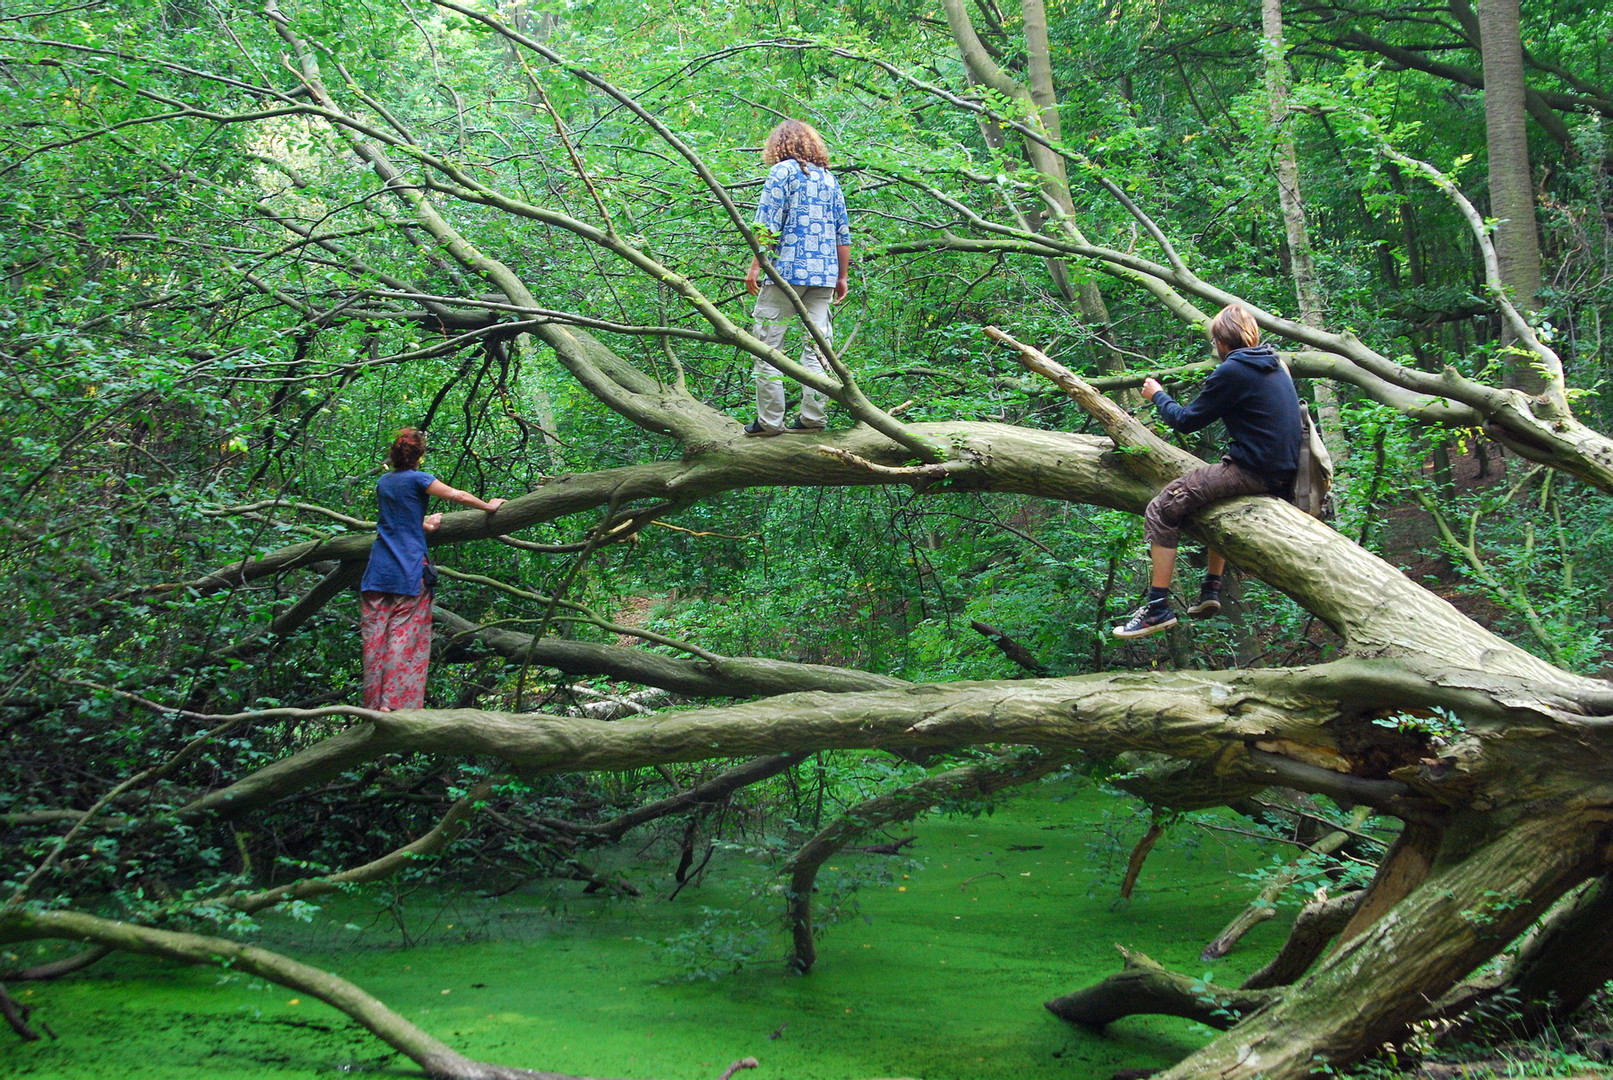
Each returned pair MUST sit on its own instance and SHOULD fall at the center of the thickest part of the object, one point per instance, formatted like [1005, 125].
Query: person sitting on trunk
[1252, 394]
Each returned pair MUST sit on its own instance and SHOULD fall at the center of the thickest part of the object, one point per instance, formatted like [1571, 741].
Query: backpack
[1313, 483]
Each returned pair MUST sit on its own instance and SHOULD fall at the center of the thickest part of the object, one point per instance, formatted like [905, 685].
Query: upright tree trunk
[1307, 286]
[982, 69]
[1512, 198]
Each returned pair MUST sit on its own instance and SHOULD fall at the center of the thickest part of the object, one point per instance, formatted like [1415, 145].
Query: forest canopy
[245, 244]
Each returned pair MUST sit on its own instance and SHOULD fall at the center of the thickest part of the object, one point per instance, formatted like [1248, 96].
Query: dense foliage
[216, 310]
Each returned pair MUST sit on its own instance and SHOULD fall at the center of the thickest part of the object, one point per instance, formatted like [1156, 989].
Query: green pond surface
[940, 973]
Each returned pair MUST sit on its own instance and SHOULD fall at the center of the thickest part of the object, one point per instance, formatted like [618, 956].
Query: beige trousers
[774, 314]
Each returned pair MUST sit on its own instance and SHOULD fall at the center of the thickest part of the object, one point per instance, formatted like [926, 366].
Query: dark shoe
[1148, 619]
[1208, 606]
[755, 428]
[797, 428]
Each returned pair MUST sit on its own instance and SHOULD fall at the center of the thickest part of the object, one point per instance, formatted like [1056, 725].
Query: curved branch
[904, 804]
[451, 825]
[1145, 987]
[726, 676]
[434, 1057]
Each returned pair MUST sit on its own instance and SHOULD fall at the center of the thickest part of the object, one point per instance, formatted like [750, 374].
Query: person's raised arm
[1213, 400]
[463, 498]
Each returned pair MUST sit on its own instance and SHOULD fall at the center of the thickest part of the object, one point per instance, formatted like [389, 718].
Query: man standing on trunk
[1252, 394]
[804, 212]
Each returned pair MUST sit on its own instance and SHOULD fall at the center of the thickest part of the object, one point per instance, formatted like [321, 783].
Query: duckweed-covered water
[940, 972]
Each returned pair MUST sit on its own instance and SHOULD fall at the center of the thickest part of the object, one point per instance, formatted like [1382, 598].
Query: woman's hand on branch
[431, 522]
[1151, 386]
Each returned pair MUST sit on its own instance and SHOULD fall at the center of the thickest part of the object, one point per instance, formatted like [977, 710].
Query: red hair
[406, 449]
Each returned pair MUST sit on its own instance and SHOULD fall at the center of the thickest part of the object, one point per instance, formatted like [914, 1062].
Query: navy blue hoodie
[1251, 393]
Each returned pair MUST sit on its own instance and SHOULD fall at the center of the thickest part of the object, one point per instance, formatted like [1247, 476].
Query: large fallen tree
[1507, 804]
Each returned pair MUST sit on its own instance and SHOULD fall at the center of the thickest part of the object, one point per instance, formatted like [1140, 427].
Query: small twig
[977, 877]
[16, 1015]
[743, 1063]
[919, 476]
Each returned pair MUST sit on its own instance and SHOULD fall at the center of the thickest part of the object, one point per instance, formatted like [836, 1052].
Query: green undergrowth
[937, 968]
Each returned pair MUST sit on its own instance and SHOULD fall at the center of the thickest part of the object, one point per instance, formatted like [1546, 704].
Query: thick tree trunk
[1558, 966]
[1307, 283]
[1512, 189]
[1042, 97]
[1367, 992]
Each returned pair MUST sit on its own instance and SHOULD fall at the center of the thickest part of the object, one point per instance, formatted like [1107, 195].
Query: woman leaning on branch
[395, 594]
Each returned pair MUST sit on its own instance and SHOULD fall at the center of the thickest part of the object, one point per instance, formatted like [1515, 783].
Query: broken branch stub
[1145, 454]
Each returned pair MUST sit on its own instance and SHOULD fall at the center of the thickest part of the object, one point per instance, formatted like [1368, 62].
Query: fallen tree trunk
[1555, 970]
[1489, 888]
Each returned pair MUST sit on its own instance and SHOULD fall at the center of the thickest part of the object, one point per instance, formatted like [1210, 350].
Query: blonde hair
[1234, 328]
[797, 140]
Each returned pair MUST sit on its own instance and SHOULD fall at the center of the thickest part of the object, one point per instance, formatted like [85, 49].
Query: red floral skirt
[397, 648]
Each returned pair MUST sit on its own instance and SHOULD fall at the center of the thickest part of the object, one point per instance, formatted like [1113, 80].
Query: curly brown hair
[796, 140]
[406, 449]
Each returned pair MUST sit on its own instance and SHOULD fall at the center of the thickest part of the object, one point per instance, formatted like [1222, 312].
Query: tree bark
[1512, 189]
[1314, 927]
[1556, 969]
[1302, 260]
[1144, 987]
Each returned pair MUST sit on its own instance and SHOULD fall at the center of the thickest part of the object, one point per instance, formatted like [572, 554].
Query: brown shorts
[1162, 521]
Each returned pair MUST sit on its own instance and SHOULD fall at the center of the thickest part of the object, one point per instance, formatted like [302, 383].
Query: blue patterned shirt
[808, 212]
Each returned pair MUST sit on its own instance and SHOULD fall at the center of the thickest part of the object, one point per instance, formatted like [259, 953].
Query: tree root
[1316, 925]
[1265, 905]
[1143, 986]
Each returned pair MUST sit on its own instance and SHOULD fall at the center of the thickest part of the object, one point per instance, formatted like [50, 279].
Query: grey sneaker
[1209, 605]
[755, 429]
